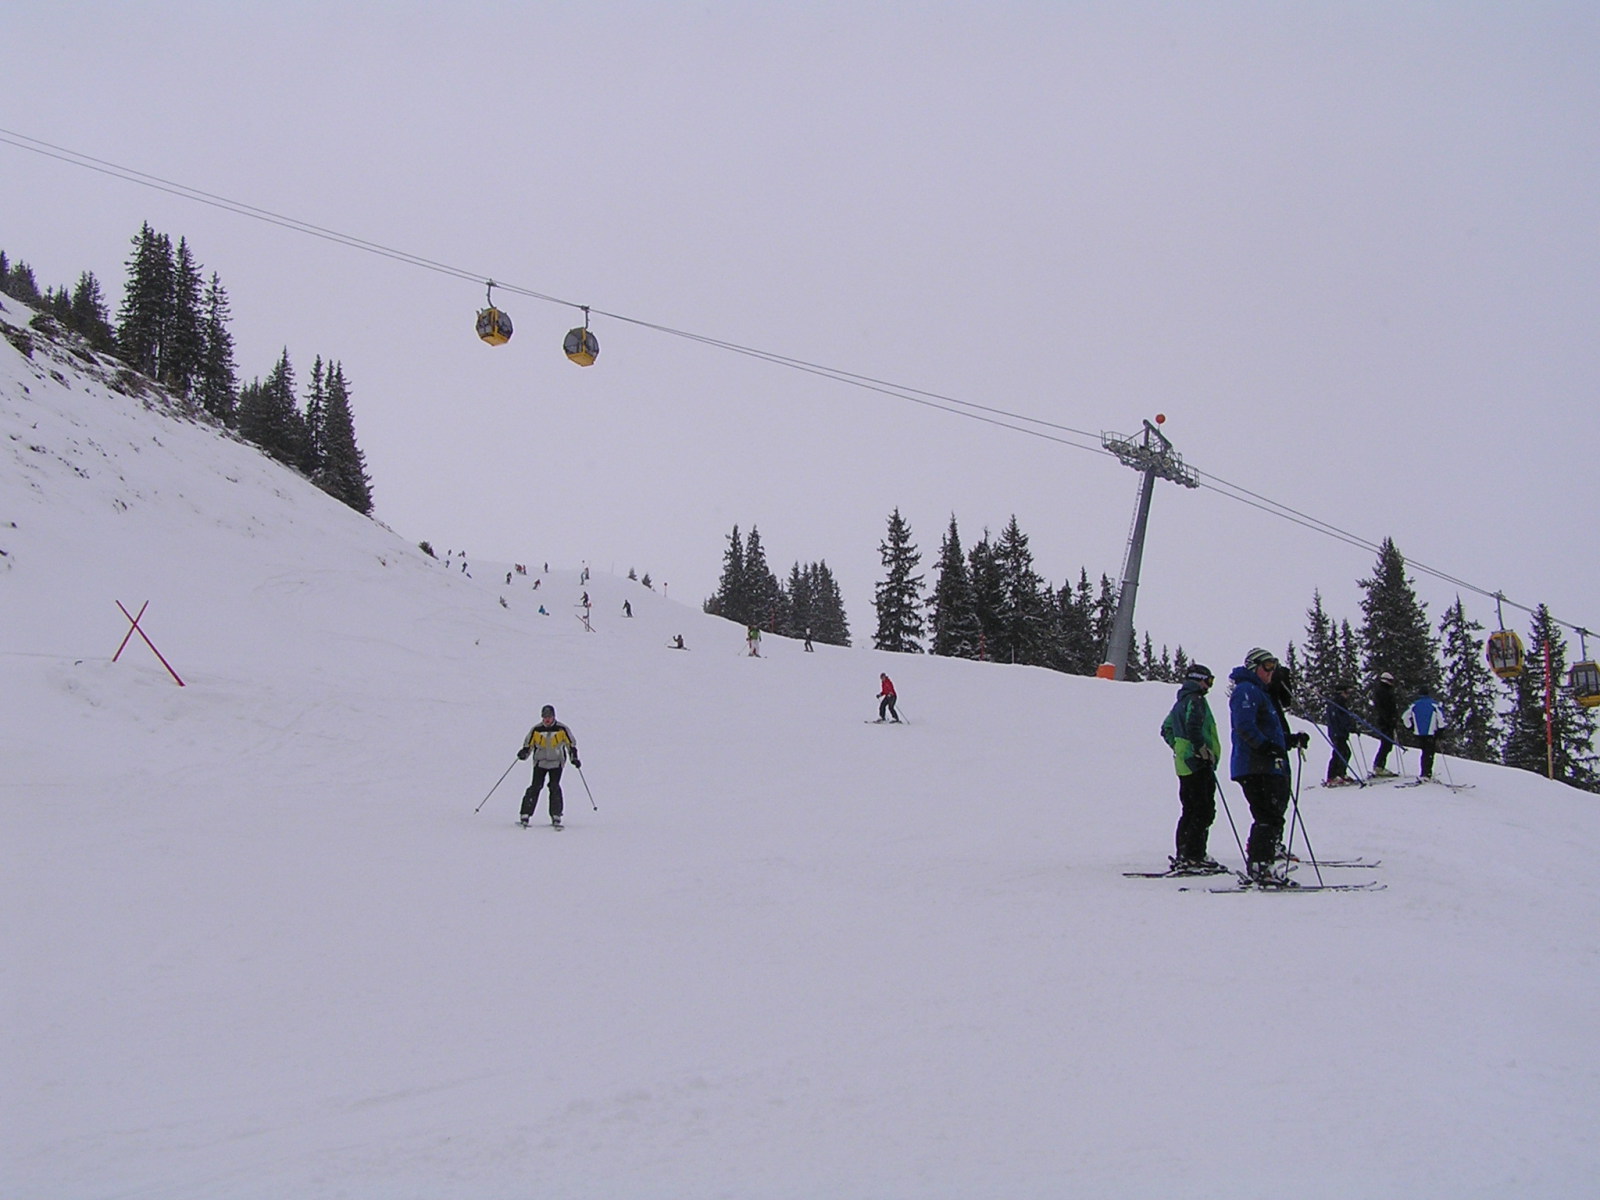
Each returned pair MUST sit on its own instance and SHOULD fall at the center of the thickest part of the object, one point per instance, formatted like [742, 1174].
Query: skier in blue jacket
[1425, 718]
[1260, 761]
[1341, 724]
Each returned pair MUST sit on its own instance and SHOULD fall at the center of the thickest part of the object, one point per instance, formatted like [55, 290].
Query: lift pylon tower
[1151, 454]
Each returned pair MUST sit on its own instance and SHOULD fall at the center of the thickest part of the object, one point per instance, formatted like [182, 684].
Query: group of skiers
[1258, 707]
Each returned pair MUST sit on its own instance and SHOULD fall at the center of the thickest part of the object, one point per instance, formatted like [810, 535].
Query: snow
[258, 942]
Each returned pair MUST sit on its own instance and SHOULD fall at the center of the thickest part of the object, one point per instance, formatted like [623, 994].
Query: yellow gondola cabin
[1505, 654]
[581, 346]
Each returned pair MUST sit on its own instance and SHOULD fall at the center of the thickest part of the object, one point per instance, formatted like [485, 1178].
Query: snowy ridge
[257, 942]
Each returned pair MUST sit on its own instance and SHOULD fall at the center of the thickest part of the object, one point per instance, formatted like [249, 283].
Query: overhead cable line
[1016, 422]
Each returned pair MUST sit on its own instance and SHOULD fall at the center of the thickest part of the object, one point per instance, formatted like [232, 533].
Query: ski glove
[523, 753]
[576, 763]
[1300, 741]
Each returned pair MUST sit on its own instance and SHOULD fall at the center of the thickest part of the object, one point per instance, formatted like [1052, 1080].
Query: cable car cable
[965, 408]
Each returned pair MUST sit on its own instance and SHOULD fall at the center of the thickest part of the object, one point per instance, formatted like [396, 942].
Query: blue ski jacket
[1341, 722]
[1425, 717]
[1258, 742]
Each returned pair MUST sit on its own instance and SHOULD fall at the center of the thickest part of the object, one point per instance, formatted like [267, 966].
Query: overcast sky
[1352, 251]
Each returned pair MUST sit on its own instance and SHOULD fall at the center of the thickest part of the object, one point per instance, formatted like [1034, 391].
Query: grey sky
[1352, 251]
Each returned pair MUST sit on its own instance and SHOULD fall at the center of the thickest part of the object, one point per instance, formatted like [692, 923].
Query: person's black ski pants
[1197, 793]
[1430, 746]
[1268, 797]
[530, 798]
[1339, 764]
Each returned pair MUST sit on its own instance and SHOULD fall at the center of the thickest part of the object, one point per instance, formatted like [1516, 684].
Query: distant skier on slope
[752, 639]
[549, 742]
[887, 699]
[1191, 731]
[1425, 718]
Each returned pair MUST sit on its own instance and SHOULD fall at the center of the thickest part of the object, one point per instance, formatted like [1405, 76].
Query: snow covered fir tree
[748, 593]
[898, 599]
[172, 329]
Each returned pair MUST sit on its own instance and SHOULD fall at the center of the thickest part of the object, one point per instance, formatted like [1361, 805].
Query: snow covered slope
[258, 942]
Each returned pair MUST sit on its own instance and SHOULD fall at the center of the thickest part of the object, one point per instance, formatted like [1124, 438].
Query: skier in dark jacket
[1260, 761]
[1191, 731]
[1341, 724]
[1385, 716]
[550, 743]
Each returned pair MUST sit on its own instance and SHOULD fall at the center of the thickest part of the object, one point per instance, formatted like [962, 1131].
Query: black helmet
[549, 710]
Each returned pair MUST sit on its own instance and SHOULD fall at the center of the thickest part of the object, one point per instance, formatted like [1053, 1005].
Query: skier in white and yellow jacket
[550, 743]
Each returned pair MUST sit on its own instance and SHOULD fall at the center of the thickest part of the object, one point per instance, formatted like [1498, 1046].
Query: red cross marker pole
[133, 628]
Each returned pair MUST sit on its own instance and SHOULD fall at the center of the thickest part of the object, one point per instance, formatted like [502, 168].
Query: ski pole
[1304, 836]
[1217, 784]
[497, 783]
[585, 783]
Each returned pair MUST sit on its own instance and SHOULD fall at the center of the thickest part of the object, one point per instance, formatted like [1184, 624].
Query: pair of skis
[1244, 883]
[1454, 787]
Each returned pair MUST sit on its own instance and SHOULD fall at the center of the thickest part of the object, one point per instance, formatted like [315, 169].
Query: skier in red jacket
[886, 699]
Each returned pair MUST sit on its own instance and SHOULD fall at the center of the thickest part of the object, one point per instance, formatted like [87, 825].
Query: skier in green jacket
[1191, 731]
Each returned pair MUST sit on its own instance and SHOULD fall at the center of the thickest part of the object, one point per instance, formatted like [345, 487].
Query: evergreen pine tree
[799, 596]
[1295, 673]
[1470, 700]
[1570, 750]
[1395, 633]
[217, 384]
[316, 415]
[144, 322]
[983, 568]
[1350, 658]
[1323, 666]
[1149, 669]
[898, 599]
[952, 608]
[184, 350]
[1103, 617]
[729, 600]
[1023, 632]
[830, 624]
[17, 281]
[342, 471]
[269, 414]
[1077, 652]
[90, 316]
[763, 596]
